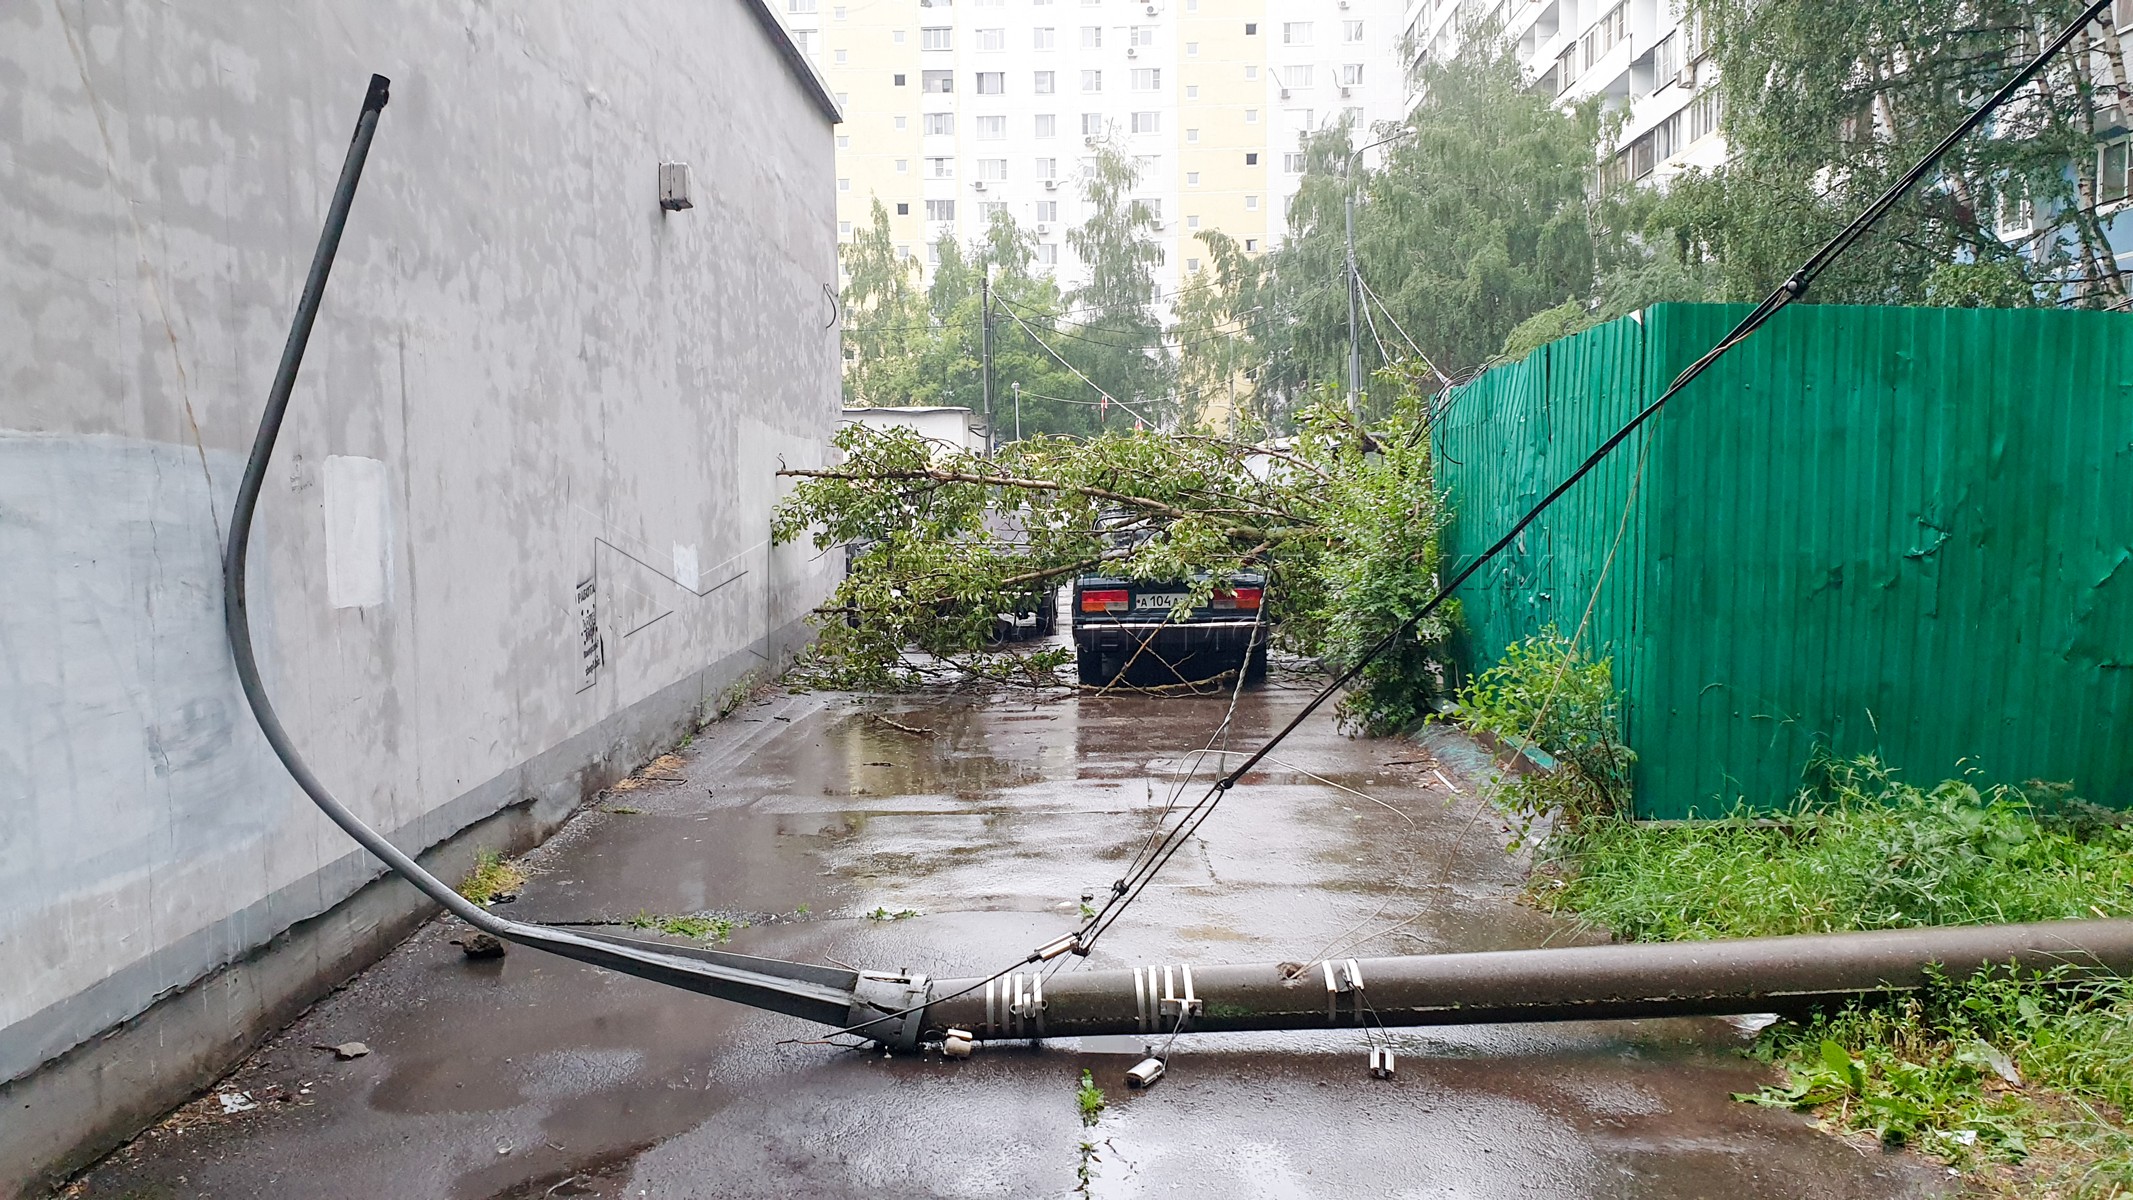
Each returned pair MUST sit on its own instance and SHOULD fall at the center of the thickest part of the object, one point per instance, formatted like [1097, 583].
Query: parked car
[1129, 631]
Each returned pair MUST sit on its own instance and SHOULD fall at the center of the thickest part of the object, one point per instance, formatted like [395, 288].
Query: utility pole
[1355, 279]
[1355, 348]
[1018, 409]
[992, 438]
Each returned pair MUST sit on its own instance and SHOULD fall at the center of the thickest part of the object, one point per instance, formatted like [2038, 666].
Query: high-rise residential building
[956, 109]
[1642, 56]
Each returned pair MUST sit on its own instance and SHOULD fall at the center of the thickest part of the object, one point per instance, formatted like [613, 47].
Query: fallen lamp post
[902, 1010]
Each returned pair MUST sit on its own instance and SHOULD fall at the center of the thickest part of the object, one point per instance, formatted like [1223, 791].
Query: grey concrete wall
[525, 376]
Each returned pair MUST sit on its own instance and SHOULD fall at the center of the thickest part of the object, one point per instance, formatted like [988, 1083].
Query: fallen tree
[1343, 521]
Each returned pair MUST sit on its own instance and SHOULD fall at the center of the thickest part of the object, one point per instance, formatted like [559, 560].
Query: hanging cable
[1130, 888]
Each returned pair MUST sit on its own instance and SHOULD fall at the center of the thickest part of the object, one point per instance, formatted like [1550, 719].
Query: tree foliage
[1343, 523]
[1826, 105]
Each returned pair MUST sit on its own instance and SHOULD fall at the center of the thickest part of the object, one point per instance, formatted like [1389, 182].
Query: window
[903, 250]
[1292, 163]
[903, 209]
[941, 168]
[1296, 33]
[800, 6]
[1140, 35]
[1610, 29]
[1092, 81]
[1192, 49]
[1047, 82]
[1192, 91]
[899, 79]
[1192, 135]
[1296, 79]
[1251, 245]
[844, 229]
[1092, 124]
[1147, 79]
[844, 141]
[1251, 70]
[902, 165]
[842, 56]
[1092, 37]
[1047, 168]
[992, 83]
[1666, 62]
[1251, 28]
[1566, 68]
[1047, 125]
[1706, 112]
[937, 81]
[903, 122]
[1192, 179]
[1192, 222]
[994, 169]
[804, 39]
[992, 129]
[897, 37]
[940, 210]
[1044, 39]
[992, 39]
[2112, 182]
[1251, 116]
[1251, 158]
[989, 209]
[1147, 122]
[1047, 210]
[837, 13]
[1352, 75]
[1192, 264]
[936, 38]
[939, 123]
[1299, 120]
[1251, 204]
[844, 99]
[1152, 209]
[844, 185]
[1048, 254]
[1351, 31]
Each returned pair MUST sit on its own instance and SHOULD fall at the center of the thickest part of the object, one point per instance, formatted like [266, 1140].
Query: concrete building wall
[531, 393]
[1213, 125]
[1642, 57]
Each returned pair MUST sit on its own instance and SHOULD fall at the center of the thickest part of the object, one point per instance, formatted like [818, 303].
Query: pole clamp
[890, 1008]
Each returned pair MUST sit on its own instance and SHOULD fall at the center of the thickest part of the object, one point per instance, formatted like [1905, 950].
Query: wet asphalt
[836, 836]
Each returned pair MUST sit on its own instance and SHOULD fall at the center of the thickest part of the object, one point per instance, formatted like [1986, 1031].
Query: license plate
[1162, 600]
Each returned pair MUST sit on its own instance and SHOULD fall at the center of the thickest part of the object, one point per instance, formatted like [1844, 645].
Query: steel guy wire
[1793, 287]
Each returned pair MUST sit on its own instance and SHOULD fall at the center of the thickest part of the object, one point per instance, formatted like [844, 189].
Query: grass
[491, 877]
[2022, 1083]
[697, 927]
[1090, 1098]
[883, 914]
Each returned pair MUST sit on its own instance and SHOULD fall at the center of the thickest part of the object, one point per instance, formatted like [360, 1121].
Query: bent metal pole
[1561, 984]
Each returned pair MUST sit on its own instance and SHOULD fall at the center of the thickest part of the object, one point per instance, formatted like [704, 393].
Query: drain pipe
[1573, 983]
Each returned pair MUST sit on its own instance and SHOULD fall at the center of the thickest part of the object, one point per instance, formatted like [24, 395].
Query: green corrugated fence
[1902, 531]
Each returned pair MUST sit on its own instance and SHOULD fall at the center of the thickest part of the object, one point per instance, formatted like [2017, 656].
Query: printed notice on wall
[590, 653]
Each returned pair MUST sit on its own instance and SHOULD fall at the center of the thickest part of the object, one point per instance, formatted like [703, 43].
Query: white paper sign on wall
[359, 532]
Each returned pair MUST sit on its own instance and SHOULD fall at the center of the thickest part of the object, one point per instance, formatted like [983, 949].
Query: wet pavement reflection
[951, 834]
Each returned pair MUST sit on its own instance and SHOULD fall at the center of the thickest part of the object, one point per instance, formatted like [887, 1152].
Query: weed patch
[697, 927]
[491, 877]
[2021, 1082]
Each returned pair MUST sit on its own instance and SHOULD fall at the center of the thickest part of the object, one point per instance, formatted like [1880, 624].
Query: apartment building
[1641, 56]
[956, 109]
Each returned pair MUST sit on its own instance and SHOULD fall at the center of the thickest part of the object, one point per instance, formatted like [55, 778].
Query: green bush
[1545, 694]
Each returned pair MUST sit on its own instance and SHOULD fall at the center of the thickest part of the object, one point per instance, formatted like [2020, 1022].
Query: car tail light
[1104, 600]
[1237, 598]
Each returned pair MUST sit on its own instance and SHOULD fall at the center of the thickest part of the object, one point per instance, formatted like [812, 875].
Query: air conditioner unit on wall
[1133, 52]
[1051, 185]
[977, 186]
[1284, 93]
[1151, 10]
[1043, 228]
[1345, 93]
[1687, 77]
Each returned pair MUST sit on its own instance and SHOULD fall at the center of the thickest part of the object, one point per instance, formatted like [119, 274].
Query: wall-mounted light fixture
[674, 186]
